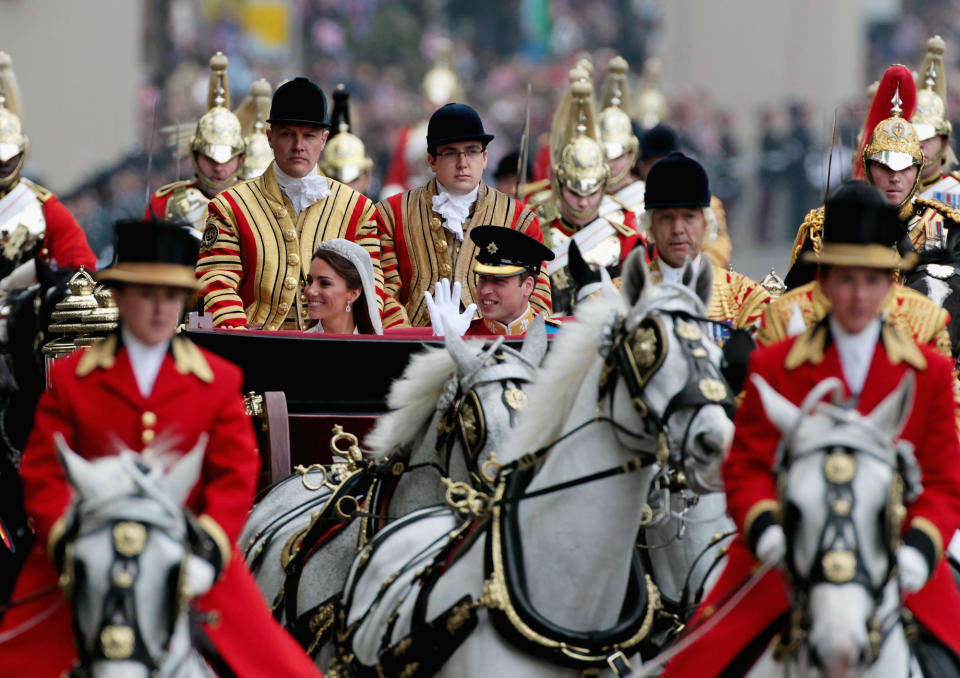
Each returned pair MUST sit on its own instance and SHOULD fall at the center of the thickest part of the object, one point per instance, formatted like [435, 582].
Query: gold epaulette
[43, 194]
[736, 299]
[916, 314]
[532, 188]
[164, 191]
[942, 207]
[808, 300]
[617, 219]
[811, 229]
[553, 322]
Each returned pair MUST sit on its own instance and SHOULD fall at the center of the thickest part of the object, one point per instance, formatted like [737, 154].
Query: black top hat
[504, 251]
[153, 253]
[860, 228]
[676, 181]
[455, 122]
[659, 141]
[299, 102]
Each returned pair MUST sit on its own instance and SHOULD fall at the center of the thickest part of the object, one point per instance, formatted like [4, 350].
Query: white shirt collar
[669, 274]
[145, 360]
[454, 208]
[855, 351]
[302, 191]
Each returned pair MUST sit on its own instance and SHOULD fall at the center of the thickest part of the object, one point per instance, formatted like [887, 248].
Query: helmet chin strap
[9, 181]
[208, 186]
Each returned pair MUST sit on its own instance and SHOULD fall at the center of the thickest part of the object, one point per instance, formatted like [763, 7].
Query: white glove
[20, 278]
[913, 568]
[198, 575]
[445, 305]
[772, 545]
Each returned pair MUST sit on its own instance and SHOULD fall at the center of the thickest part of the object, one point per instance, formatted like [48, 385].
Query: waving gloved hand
[444, 304]
[772, 545]
[912, 567]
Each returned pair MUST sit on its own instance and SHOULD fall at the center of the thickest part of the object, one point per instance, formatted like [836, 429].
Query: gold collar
[812, 344]
[518, 326]
[187, 358]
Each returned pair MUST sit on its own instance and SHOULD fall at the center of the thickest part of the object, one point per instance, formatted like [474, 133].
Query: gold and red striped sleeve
[394, 313]
[219, 268]
[542, 297]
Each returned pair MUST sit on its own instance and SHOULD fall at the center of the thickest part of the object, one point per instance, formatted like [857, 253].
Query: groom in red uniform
[853, 343]
[147, 390]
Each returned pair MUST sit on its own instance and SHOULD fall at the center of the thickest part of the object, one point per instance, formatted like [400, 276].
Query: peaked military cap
[504, 251]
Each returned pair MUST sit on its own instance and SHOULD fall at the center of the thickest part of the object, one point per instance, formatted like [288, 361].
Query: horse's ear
[635, 276]
[891, 415]
[84, 479]
[781, 412]
[177, 483]
[458, 349]
[534, 346]
[702, 282]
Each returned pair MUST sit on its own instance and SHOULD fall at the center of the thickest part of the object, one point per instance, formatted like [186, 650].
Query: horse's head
[124, 559]
[662, 355]
[843, 479]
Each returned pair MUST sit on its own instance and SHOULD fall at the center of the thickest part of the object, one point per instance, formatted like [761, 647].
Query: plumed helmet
[344, 157]
[616, 130]
[580, 165]
[218, 135]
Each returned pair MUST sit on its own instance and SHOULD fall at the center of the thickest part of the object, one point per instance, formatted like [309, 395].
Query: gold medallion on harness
[839, 566]
[117, 642]
[645, 346]
[688, 331]
[129, 538]
[713, 389]
[839, 467]
[515, 398]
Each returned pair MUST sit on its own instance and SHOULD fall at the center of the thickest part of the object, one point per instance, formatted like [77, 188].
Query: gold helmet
[344, 157]
[252, 114]
[580, 164]
[13, 141]
[218, 135]
[440, 84]
[651, 105]
[616, 130]
[930, 116]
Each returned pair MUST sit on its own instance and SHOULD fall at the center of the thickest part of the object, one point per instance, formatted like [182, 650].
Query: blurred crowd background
[766, 163]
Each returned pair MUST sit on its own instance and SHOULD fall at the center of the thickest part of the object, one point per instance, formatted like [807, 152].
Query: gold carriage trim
[759, 508]
[212, 528]
[929, 529]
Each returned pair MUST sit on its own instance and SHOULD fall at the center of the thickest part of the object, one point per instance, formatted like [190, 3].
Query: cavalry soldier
[890, 159]
[578, 208]
[619, 143]
[933, 129]
[345, 158]
[677, 201]
[424, 232]
[261, 234]
[141, 388]
[506, 268]
[35, 228]
[217, 149]
[659, 142]
[857, 262]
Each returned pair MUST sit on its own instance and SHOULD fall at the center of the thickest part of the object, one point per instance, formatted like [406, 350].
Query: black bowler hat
[860, 228]
[504, 251]
[455, 122]
[659, 142]
[676, 181]
[153, 253]
[299, 102]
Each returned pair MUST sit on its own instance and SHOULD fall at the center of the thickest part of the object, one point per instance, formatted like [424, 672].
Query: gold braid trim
[941, 207]
[929, 529]
[757, 510]
[811, 229]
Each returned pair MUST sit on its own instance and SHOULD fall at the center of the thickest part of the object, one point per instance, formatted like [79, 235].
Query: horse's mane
[412, 400]
[554, 390]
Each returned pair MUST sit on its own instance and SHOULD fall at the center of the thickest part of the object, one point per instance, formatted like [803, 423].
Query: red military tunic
[179, 201]
[95, 404]
[751, 490]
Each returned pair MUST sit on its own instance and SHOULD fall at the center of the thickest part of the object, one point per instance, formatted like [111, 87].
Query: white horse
[126, 565]
[838, 472]
[452, 407]
[549, 582]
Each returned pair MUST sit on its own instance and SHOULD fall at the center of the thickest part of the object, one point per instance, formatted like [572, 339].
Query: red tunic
[64, 241]
[749, 481]
[195, 393]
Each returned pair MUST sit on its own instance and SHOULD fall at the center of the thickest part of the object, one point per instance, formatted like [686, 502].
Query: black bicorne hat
[455, 122]
[860, 228]
[153, 253]
[299, 102]
[504, 251]
[676, 181]
[658, 142]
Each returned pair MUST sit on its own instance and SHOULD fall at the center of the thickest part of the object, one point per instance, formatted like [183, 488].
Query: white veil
[360, 259]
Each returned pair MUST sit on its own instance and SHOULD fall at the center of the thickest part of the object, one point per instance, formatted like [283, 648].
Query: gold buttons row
[149, 421]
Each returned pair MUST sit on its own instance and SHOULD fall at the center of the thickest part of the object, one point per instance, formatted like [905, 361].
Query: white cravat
[454, 208]
[669, 274]
[302, 191]
[144, 359]
[856, 352]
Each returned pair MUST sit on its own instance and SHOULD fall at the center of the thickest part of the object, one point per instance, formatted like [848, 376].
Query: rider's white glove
[198, 575]
[445, 305]
[913, 568]
[772, 545]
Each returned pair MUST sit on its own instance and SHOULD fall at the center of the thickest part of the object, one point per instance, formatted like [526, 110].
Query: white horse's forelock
[412, 400]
